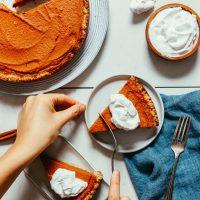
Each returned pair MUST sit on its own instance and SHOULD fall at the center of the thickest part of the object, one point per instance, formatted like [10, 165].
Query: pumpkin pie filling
[93, 179]
[137, 94]
[40, 41]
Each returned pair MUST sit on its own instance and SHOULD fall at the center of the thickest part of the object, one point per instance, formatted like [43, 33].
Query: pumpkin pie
[93, 179]
[40, 41]
[137, 94]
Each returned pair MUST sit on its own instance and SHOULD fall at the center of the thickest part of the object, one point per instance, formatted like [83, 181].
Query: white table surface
[124, 52]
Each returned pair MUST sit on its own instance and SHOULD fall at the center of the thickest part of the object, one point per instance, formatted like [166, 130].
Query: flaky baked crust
[92, 178]
[6, 74]
[138, 95]
[99, 178]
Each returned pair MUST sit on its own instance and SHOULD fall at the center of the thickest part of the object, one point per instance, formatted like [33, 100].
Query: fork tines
[182, 129]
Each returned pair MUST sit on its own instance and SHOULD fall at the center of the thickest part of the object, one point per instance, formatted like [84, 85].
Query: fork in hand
[178, 146]
[115, 143]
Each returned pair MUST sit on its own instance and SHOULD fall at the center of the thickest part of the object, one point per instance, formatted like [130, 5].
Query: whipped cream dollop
[124, 114]
[65, 184]
[174, 32]
[141, 6]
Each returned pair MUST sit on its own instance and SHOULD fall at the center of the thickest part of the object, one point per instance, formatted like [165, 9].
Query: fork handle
[171, 182]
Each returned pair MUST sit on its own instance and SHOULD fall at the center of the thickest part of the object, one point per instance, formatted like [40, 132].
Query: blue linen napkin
[149, 169]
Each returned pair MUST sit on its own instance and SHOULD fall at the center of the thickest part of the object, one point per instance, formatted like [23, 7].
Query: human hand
[39, 122]
[114, 193]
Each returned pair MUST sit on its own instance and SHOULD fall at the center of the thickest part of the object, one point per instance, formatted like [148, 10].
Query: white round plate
[98, 25]
[129, 141]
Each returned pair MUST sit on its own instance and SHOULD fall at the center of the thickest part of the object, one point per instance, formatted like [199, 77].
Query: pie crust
[93, 179]
[40, 41]
[138, 95]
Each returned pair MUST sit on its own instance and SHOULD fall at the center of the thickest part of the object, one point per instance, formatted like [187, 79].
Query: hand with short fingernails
[39, 122]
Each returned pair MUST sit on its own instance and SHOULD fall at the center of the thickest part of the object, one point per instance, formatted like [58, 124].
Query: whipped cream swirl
[141, 6]
[174, 32]
[65, 184]
[124, 114]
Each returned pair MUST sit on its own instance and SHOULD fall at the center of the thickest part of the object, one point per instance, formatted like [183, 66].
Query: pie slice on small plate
[137, 94]
[145, 99]
[93, 179]
[62, 154]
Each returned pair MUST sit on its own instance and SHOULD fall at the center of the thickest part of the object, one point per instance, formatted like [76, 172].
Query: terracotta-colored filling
[137, 94]
[52, 165]
[38, 42]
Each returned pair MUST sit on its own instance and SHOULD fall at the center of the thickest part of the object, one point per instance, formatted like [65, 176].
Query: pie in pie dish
[93, 179]
[134, 91]
[40, 41]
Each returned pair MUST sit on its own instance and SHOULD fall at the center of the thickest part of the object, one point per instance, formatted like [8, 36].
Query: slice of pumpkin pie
[131, 108]
[71, 182]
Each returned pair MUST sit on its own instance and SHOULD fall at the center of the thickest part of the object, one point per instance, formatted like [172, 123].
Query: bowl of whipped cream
[173, 31]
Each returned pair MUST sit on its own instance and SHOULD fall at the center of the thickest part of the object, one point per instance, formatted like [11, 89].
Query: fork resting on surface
[178, 146]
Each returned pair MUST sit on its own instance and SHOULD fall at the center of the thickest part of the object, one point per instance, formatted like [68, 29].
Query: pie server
[41, 183]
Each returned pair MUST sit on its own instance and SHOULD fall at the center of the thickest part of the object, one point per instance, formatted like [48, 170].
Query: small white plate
[129, 141]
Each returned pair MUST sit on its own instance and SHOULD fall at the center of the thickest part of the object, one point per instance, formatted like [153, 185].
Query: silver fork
[178, 146]
[115, 143]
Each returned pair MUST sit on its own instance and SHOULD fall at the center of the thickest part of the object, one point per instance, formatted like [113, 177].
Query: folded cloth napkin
[149, 169]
